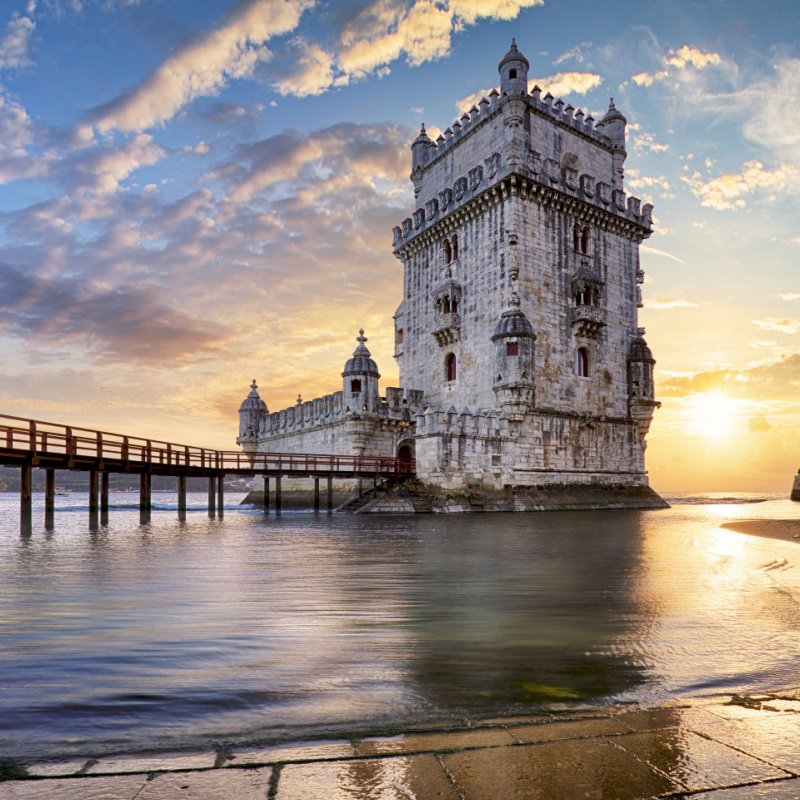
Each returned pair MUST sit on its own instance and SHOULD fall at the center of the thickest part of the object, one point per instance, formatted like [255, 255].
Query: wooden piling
[220, 496]
[330, 494]
[93, 491]
[145, 499]
[266, 495]
[104, 493]
[49, 491]
[278, 494]
[25, 499]
[212, 510]
[316, 495]
[182, 496]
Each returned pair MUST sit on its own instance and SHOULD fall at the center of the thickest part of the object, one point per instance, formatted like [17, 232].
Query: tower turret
[252, 412]
[360, 379]
[513, 361]
[641, 391]
[513, 69]
[613, 126]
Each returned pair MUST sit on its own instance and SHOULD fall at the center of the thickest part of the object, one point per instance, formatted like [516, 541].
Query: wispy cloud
[203, 66]
[15, 42]
[788, 325]
[728, 191]
[669, 303]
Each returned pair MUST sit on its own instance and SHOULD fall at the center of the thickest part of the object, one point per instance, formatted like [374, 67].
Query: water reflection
[173, 633]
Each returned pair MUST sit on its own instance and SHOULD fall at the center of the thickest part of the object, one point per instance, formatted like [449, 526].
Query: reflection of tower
[252, 412]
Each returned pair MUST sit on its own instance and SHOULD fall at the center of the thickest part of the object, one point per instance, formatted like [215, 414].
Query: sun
[712, 415]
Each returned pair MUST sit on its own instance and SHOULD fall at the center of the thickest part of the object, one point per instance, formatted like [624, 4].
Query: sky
[196, 193]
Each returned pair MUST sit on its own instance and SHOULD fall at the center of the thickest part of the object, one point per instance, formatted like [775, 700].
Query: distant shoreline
[788, 530]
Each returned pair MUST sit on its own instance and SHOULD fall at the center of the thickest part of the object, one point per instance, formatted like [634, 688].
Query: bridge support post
[93, 490]
[266, 495]
[329, 498]
[25, 500]
[360, 486]
[212, 509]
[316, 495]
[145, 502]
[220, 496]
[181, 497]
[104, 497]
[49, 499]
[278, 495]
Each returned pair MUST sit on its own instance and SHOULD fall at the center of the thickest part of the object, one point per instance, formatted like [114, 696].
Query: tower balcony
[447, 329]
[588, 320]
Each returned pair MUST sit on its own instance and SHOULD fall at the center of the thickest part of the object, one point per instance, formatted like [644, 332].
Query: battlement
[479, 422]
[546, 172]
[398, 404]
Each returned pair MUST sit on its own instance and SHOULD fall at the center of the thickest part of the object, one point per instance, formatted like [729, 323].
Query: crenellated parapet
[481, 422]
[472, 187]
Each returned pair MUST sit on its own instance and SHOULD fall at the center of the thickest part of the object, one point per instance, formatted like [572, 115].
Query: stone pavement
[734, 748]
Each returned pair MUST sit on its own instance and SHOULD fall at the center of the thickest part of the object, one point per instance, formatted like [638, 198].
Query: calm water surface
[172, 635]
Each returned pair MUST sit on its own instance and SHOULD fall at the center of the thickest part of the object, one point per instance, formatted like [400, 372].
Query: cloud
[646, 248]
[637, 181]
[577, 53]
[758, 424]
[788, 325]
[789, 296]
[383, 32]
[14, 45]
[565, 83]
[644, 142]
[773, 382]
[562, 83]
[688, 54]
[669, 304]
[728, 191]
[675, 62]
[203, 66]
[775, 106]
[123, 324]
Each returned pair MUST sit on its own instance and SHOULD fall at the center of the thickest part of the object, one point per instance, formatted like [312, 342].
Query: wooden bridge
[29, 443]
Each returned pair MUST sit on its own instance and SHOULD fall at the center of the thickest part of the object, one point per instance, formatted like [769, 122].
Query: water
[244, 630]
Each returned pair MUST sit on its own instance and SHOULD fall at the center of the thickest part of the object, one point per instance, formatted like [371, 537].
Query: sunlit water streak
[173, 635]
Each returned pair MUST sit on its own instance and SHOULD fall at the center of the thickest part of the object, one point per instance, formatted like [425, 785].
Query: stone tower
[521, 292]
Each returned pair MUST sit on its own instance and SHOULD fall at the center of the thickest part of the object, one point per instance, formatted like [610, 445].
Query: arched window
[448, 253]
[582, 362]
[355, 385]
[446, 304]
[585, 241]
[576, 237]
[450, 367]
[512, 348]
[455, 247]
[454, 305]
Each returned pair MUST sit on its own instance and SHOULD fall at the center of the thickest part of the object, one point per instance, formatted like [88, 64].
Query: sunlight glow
[711, 414]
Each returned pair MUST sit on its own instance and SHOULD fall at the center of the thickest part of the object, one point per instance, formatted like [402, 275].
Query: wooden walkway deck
[29, 443]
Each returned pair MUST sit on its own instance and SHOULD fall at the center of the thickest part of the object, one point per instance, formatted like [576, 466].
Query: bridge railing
[38, 437]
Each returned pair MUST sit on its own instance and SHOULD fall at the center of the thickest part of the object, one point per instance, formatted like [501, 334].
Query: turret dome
[361, 363]
[513, 323]
[513, 54]
[639, 351]
[253, 401]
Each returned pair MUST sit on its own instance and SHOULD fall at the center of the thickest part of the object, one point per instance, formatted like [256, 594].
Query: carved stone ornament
[460, 188]
[492, 164]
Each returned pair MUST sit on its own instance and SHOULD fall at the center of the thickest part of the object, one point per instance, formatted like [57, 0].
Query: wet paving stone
[419, 777]
[118, 787]
[781, 790]
[575, 729]
[775, 738]
[153, 762]
[434, 742]
[56, 769]
[694, 761]
[310, 751]
[589, 769]
[216, 784]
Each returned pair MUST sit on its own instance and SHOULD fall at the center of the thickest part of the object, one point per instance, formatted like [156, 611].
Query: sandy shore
[786, 529]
